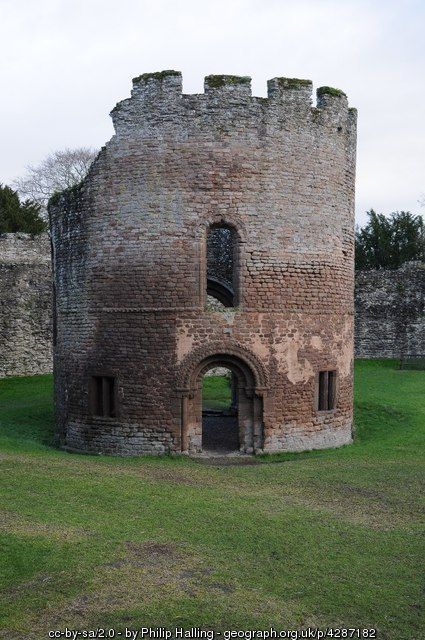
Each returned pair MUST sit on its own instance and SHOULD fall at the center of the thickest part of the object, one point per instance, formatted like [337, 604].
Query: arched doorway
[248, 398]
[220, 429]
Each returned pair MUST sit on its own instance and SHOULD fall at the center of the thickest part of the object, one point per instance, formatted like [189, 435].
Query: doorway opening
[230, 411]
[220, 426]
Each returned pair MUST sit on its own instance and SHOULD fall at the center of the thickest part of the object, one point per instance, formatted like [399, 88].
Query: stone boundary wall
[389, 312]
[25, 305]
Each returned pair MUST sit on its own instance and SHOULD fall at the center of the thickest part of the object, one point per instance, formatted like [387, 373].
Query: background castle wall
[389, 312]
[25, 305]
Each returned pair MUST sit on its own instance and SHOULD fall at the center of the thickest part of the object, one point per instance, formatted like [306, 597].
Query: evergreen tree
[386, 243]
[19, 216]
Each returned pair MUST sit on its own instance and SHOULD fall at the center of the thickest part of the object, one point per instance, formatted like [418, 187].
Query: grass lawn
[216, 393]
[325, 539]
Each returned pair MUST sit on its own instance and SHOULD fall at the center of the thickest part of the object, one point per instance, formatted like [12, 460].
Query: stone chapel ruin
[222, 195]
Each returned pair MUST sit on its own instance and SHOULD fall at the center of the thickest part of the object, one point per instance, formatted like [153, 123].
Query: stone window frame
[238, 258]
[93, 397]
[335, 385]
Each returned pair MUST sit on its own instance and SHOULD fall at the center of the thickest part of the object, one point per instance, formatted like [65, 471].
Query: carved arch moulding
[232, 354]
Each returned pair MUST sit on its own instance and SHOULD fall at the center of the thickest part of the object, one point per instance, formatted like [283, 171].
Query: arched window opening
[220, 428]
[222, 266]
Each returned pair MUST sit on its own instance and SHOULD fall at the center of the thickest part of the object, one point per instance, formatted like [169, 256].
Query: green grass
[216, 392]
[327, 538]
[415, 364]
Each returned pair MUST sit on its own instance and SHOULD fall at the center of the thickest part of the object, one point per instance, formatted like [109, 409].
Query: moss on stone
[293, 83]
[70, 195]
[215, 82]
[54, 199]
[330, 91]
[157, 75]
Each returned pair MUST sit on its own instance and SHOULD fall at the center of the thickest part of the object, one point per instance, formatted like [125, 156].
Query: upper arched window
[223, 264]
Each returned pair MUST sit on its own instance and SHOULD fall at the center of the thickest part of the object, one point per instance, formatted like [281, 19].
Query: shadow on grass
[26, 412]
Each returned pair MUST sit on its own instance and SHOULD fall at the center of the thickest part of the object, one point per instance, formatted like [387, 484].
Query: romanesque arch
[250, 382]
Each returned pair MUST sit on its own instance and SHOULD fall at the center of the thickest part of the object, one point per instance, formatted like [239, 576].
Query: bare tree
[60, 170]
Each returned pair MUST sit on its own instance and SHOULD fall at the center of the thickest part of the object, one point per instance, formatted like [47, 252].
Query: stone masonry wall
[25, 305]
[129, 250]
[389, 312]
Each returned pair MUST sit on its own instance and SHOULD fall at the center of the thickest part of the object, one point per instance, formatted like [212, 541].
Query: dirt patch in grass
[145, 554]
[15, 523]
[228, 461]
[175, 476]
[146, 576]
[353, 505]
[38, 582]
[366, 492]
[149, 582]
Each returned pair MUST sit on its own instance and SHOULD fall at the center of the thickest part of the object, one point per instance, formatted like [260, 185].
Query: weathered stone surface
[390, 317]
[130, 268]
[25, 305]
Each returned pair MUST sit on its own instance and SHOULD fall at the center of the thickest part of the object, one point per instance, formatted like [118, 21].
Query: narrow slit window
[222, 268]
[327, 386]
[103, 396]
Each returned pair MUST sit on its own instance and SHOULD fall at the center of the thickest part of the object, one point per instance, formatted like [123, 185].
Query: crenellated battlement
[281, 88]
[158, 98]
[157, 85]
[222, 85]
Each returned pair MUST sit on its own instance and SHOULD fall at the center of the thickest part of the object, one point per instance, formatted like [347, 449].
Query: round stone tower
[244, 199]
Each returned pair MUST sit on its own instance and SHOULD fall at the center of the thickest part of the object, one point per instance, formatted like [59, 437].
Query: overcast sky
[64, 64]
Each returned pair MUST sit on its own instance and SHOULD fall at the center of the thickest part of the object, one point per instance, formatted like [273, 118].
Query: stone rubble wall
[25, 305]
[389, 312]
